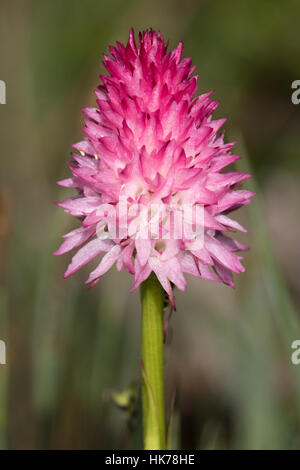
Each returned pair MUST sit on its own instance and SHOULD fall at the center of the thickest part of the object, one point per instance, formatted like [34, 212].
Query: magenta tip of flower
[92, 284]
[150, 139]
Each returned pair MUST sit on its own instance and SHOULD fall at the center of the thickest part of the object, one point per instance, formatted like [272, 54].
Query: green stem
[152, 296]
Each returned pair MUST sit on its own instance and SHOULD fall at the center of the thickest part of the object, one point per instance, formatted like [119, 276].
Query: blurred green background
[68, 349]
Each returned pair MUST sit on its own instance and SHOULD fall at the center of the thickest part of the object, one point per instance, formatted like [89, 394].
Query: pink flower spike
[151, 162]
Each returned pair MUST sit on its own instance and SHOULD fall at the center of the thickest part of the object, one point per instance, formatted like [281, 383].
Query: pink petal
[74, 239]
[223, 219]
[86, 254]
[143, 249]
[159, 270]
[105, 264]
[80, 206]
[188, 264]
[174, 273]
[224, 274]
[223, 255]
[141, 274]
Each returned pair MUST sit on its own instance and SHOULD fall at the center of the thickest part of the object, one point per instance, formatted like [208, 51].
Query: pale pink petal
[174, 273]
[143, 249]
[159, 270]
[188, 264]
[206, 273]
[80, 206]
[224, 274]
[223, 219]
[105, 264]
[87, 253]
[74, 239]
[223, 255]
[141, 273]
[127, 257]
